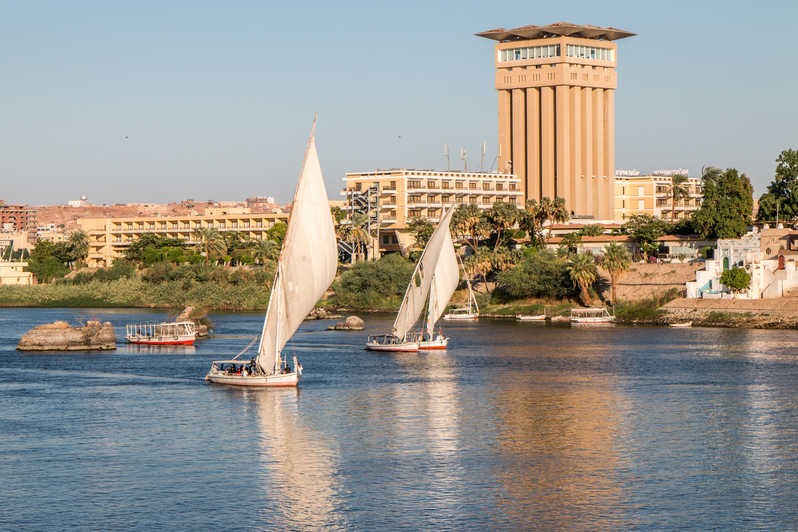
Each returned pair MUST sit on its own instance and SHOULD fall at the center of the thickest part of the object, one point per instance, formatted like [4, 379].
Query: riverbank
[781, 313]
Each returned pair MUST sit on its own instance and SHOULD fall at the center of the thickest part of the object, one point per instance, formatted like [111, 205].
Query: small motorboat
[166, 333]
[681, 324]
[591, 316]
[530, 317]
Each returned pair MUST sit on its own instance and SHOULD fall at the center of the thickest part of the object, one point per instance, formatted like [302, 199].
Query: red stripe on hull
[154, 342]
[431, 347]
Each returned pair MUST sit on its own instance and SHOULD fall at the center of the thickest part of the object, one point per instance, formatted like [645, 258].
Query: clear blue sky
[216, 98]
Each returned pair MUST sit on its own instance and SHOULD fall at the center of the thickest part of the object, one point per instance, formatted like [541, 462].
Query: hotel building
[108, 237]
[651, 194]
[405, 194]
[556, 88]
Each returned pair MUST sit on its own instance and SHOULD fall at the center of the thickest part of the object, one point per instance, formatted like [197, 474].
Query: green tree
[422, 230]
[616, 261]
[277, 232]
[583, 273]
[47, 261]
[264, 251]
[211, 242]
[501, 217]
[736, 279]
[375, 284]
[645, 230]
[728, 203]
[469, 225]
[541, 273]
[77, 247]
[678, 190]
[781, 199]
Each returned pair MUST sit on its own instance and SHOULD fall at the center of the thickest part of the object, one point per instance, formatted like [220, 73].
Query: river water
[516, 426]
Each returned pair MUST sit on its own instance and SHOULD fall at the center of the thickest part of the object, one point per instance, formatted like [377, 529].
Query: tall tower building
[556, 88]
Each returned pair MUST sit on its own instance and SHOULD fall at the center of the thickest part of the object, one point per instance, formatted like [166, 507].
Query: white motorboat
[681, 325]
[306, 268]
[433, 289]
[530, 317]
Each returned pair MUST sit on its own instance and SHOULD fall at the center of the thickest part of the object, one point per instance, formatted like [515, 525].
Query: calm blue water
[516, 426]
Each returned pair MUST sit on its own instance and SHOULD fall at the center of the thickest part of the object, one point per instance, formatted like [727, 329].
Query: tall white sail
[307, 264]
[444, 282]
[419, 287]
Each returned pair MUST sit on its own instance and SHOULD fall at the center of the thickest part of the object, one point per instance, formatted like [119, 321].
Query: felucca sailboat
[433, 282]
[305, 269]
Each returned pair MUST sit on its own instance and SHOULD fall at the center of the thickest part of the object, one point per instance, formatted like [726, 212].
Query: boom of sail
[307, 263]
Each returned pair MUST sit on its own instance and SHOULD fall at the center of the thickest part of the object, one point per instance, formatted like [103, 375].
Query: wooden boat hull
[283, 380]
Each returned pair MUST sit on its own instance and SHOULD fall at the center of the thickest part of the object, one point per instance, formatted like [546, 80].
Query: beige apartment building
[651, 194]
[405, 194]
[108, 237]
[556, 88]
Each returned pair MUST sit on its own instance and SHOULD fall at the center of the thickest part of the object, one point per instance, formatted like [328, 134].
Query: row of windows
[529, 52]
[589, 52]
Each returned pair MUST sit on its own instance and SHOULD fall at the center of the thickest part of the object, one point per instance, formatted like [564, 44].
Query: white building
[769, 256]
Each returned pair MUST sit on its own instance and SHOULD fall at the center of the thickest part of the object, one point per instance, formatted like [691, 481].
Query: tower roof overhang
[558, 29]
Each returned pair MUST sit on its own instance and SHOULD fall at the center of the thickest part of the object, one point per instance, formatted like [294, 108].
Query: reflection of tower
[556, 88]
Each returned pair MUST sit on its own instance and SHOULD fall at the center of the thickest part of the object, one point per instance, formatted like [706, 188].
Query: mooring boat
[435, 290]
[591, 316]
[468, 312]
[305, 269]
[681, 325]
[165, 333]
[530, 317]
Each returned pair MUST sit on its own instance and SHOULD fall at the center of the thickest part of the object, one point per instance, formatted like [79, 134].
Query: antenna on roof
[482, 159]
[464, 157]
[446, 154]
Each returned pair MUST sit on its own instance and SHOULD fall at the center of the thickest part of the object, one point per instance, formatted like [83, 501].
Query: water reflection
[557, 438]
[297, 464]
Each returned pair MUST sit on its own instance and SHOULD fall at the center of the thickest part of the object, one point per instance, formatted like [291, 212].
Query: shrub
[540, 274]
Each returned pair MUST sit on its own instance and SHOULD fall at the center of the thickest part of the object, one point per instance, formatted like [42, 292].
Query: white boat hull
[404, 347]
[593, 321]
[438, 343]
[257, 381]
[527, 317]
[682, 325]
[461, 317]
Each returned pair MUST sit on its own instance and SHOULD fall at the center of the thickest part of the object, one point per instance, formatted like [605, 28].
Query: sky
[153, 101]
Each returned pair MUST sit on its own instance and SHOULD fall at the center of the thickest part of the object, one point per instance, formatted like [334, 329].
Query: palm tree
[265, 250]
[583, 273]
[78, 246]
[559, 212]
[210, 242]
[678, 190]
[501, 217]
[616, 261]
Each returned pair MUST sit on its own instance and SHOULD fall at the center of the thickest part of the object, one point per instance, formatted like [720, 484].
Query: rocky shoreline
[61, 336]
[779, 313]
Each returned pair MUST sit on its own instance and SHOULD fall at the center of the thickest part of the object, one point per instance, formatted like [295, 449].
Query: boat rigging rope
[255, 339]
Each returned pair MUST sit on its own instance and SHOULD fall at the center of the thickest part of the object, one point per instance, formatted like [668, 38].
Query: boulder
[60, 336]
[351, 323]
[199, 317]
[319, 313]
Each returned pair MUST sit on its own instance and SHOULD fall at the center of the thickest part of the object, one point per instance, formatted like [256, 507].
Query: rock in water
[352, 323]
[60, 336]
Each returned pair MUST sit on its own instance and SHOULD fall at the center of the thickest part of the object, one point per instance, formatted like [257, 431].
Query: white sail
[307, 264]
[444, 282]
[419, 287]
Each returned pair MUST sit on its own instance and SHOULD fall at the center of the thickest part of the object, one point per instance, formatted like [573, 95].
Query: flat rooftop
[558, 29]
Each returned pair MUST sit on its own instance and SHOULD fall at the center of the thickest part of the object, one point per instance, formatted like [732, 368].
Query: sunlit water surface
[515, 426]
